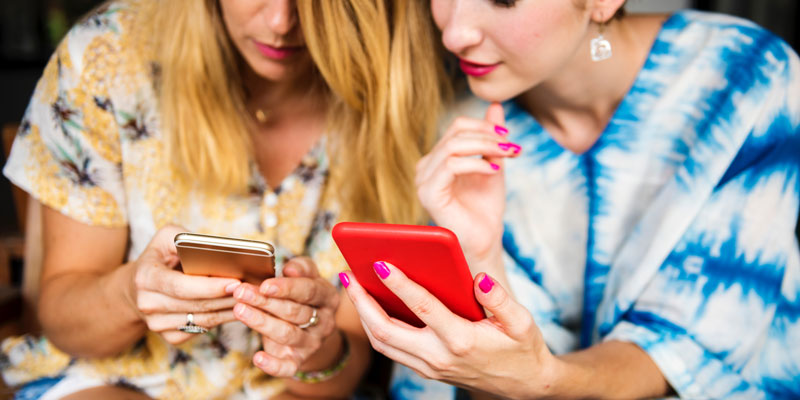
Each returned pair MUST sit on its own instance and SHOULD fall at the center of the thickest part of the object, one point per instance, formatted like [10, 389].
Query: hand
[163, 296]
[279, 306]
[503, 355]
[465, 193]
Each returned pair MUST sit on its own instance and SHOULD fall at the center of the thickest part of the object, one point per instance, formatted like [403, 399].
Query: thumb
[512, 316]
[495, 114]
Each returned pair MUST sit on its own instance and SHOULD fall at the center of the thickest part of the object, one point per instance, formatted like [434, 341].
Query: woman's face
[268, 35]
[509, 46]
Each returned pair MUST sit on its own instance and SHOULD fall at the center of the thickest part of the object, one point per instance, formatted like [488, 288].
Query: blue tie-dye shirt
[675, 231]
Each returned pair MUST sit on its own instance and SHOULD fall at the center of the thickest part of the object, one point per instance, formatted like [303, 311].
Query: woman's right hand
[461, 182]
[163, 296]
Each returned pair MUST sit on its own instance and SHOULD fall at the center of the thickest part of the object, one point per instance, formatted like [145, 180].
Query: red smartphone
[430, 256]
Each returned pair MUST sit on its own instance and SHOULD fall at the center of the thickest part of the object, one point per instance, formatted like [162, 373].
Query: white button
[271, 200]
[271, 220]
[288, 184]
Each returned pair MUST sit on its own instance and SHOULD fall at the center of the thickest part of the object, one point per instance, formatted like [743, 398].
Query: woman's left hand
[504, 354]
[280, 307]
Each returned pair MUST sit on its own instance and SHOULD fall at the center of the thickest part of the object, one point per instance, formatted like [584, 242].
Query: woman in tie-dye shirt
[640, 208]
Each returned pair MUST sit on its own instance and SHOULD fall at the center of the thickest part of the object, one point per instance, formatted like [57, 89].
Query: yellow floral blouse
[90, 147]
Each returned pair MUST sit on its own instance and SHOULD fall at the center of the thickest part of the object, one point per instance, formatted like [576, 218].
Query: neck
[576, 104]
[296, 95]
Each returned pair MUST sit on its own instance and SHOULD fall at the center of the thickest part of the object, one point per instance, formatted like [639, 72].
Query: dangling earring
[601, 48]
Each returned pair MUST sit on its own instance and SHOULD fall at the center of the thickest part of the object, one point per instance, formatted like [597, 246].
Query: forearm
[90, 315]
[609, 370]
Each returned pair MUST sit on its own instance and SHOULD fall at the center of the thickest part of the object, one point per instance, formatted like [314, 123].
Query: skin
[541, 49]
[84, 266]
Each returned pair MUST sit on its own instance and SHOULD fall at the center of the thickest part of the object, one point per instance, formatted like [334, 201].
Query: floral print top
[90, 147]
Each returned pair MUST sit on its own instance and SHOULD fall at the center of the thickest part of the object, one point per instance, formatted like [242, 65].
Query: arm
[92, 305]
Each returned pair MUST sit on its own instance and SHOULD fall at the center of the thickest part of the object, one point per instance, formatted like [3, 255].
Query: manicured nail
[269, 290]
[381, 269]
[494, 166]
[500, 130]
[344, 279]
[486, 284]
[231, 287]
[507, 146]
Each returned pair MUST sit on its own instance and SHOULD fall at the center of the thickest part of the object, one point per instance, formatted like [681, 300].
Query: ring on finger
[190, 326]
[311, 321]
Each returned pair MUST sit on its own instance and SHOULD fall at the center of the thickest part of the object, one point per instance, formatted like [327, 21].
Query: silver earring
[601, 47]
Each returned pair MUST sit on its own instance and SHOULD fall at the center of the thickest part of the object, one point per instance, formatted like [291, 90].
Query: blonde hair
[378, 57]
[381, 60]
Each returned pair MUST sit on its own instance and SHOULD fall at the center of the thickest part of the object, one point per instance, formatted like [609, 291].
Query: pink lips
[277, 53]
[475, 69]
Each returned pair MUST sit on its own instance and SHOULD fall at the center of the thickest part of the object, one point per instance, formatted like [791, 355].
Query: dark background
[30, 29]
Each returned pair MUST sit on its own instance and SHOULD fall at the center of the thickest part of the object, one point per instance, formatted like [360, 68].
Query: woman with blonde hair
[265, 120]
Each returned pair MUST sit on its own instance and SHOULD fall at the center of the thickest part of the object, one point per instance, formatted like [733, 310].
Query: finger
[284, 352]
[474, 124]
[467, 146]
[417, 364]
[275, 329]
[300, 267]
[176, 337]
[512, 316]
[421, 302]
[179, 285]
[158, 303]
[496, 115]
[315, 292]
[168, 322]
[443, 179]
[274, 366]
[286, 310]
[164, 240]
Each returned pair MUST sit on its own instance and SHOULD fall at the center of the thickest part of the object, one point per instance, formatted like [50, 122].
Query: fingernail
[269, 290]
[381, 269]
[231, 287]
[486, 284]
[494, 166]
[507, 146]
[344, 279]
[500, 130]
[243, 294]
[241, 310]
[259, 358]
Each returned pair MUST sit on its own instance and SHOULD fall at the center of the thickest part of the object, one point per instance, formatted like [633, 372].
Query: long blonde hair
[378, 57]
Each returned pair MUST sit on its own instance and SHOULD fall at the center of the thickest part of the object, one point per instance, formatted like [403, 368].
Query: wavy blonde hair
[378, 58]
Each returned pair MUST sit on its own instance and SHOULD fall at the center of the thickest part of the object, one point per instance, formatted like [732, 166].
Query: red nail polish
[344, 279]
[486, 284]
[509, 146]
[381, 269]
[500, 130]
[494, 166]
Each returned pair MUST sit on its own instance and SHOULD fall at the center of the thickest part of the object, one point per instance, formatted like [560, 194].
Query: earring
[601, 47]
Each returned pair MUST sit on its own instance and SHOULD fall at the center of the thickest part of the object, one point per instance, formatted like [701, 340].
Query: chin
[492, 90]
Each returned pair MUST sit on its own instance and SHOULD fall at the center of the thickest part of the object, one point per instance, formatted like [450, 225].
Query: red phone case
[430, 256]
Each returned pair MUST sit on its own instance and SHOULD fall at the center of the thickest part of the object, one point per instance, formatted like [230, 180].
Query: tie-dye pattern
[675, 231]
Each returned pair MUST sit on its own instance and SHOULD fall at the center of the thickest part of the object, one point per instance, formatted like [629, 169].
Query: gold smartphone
[248, 260]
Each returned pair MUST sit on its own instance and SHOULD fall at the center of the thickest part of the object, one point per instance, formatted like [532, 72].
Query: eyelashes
[505, 3]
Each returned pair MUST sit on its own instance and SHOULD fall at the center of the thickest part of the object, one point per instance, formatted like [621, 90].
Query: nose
[282, 16]
[461, 30]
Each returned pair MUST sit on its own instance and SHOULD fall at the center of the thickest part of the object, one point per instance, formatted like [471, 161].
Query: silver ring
[311, 321]
[190, 326]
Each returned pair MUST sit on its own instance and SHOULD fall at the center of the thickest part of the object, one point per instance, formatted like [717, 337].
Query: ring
[311, 321]
[190, 326]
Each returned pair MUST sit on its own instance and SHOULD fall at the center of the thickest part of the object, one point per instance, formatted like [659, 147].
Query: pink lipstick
[474, 69]
[277, 53]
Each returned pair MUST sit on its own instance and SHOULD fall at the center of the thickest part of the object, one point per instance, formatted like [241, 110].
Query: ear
[603, 10]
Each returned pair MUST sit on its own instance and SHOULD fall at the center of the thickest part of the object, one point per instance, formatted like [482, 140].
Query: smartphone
[248, 260]
[430, 256]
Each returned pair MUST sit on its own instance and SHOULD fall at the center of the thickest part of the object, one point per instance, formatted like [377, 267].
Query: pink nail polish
[381, 269]
[509, 146]
[344, 279]
[494, 166]
[486, 284]
[500, 130]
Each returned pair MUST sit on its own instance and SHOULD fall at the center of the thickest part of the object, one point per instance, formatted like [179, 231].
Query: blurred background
[30, 30]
